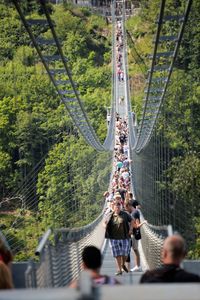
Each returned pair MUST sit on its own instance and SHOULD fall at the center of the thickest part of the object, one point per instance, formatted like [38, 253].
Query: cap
[117, 195]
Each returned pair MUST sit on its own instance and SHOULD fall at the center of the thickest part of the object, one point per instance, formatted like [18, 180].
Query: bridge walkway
[109, 265]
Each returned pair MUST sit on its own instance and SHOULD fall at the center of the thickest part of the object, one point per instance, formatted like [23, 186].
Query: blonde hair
[5, 277]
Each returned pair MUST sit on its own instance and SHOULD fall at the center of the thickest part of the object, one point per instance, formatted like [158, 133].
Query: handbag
[137, 234]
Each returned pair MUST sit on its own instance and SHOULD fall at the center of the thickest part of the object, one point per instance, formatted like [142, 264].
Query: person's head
[91, 257]
[5, 253]
[130, 195]
[117, 197]
[106, 194]
[128, 206]
[174, 250]
[134, 205]
[121, 183]
[5, 277]
[117, 206]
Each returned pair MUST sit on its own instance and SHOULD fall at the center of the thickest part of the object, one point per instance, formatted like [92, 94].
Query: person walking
[119, 228]
[136, 236]
[173, 253]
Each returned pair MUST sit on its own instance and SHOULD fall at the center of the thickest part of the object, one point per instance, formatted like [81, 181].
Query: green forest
[49, 176]
[179, 121]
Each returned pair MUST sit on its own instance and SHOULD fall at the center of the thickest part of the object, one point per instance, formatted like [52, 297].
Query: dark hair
[5, 253]
[91, 257]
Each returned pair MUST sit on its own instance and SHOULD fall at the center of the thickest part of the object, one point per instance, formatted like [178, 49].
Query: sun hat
[117, 195]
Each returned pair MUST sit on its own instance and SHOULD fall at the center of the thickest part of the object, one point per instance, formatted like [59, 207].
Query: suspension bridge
[59, 250]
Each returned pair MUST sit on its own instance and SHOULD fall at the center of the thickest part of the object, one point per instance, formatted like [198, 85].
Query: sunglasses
[117, 204]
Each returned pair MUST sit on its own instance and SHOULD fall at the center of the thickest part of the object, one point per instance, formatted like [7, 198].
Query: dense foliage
[179, 121]
[48, 175]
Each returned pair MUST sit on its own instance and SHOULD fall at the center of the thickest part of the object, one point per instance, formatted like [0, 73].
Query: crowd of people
[122, 217]
[119, 47]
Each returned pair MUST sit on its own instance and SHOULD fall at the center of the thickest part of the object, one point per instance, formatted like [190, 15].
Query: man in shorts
[119, 228]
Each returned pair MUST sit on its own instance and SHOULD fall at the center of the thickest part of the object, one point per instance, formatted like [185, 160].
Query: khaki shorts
[134, 243]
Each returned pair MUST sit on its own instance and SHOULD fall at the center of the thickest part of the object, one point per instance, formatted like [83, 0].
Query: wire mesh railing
[60, 256]
[152, 241]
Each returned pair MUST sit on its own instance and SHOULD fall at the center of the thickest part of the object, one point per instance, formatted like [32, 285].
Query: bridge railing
[152, 241]
[60, 255]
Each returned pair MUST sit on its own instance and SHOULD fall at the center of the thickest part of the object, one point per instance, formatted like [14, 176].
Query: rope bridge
[149, 149]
